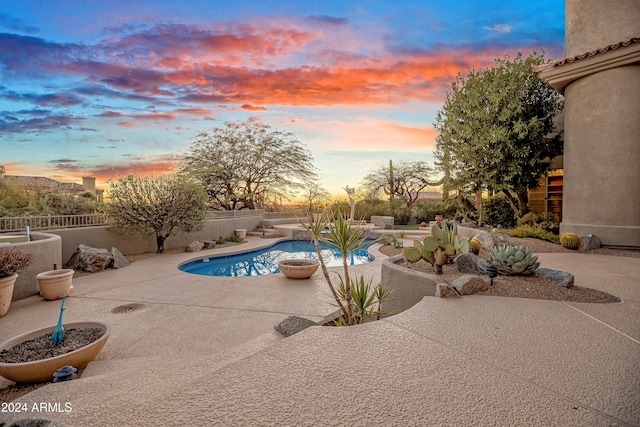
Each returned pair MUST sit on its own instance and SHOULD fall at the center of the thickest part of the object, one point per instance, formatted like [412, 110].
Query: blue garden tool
[57, 336]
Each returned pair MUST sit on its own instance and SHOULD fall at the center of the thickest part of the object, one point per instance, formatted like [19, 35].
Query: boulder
[562, 278]
[194, 246]
[292, 325]
[489, 240]
[90, 259]
[119, 260]
[589, 242]
[209, 244]
[445, 291]
[469, 284]
[472, 264]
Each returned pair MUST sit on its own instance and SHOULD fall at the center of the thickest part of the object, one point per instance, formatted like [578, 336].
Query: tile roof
[591, 53]
[43, 182]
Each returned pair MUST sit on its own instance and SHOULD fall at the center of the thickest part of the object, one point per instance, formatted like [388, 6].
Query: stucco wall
[592, 24]
[104, 237]
[46, 253]
[408, 287]
[602, 156]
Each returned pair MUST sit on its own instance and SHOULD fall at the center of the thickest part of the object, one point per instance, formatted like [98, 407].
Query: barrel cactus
[440, 248]
[475, 246]
[570, 240]
[514, 260]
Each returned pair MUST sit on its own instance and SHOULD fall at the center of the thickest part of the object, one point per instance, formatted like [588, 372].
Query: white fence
[53, 222]
[50, 222]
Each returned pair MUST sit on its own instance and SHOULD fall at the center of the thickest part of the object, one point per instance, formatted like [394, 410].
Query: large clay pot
[6, 293]
[241, 232]
[55, 284]
[298, 268]
[43, 370]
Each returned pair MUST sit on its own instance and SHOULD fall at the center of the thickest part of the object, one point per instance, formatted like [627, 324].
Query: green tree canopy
[164, 206]
[247, 165]
[496, 130]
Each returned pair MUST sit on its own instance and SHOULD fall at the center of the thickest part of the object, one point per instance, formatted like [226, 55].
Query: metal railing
[51, 222]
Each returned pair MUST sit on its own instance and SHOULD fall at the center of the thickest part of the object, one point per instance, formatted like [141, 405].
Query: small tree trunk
[160, 242]
[523, 203]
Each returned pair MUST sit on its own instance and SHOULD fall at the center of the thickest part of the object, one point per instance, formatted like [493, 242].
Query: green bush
[426, 211]
[535, 232]
[542, 221]
[496, 210]
[369, 207]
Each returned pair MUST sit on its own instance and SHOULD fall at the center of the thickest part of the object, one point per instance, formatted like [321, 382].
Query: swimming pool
[265, 261]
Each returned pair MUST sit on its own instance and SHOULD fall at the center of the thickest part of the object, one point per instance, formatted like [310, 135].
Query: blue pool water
[265, 261]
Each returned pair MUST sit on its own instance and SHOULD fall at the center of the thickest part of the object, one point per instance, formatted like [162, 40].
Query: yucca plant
[342, 235]
[366, 298]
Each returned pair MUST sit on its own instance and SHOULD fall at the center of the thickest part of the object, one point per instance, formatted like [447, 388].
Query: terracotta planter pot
[241, 232]
[43, 370]
[298, 268]
[6, 293]
[55, 284]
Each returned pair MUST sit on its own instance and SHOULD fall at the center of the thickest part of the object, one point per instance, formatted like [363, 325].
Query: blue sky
[111, 88]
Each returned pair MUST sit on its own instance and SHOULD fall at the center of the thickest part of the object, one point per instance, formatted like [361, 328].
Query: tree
[404, 179]
[246, 165]
[315, 195]
[164, 206]
[496, 130]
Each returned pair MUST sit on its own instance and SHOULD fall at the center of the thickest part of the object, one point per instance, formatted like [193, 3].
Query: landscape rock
[194, 246]
[469, 284]
[489, 240]
[443, 290]
[89, 259]
[562, 278]
[119, 260]
[589, 242]
[292, 325]
[209, 244]
[472, 264]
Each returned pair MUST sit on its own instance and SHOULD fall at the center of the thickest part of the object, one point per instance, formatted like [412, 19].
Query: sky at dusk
[111, 88]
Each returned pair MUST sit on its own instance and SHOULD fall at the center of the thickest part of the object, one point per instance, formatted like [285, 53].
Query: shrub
[543, 221]
[13, 261]
[496, 210]
[426, 211]
[535, 232]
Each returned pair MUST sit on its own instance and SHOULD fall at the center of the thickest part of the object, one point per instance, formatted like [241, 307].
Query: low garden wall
[105, 237]
[46, 254]
[408, 286]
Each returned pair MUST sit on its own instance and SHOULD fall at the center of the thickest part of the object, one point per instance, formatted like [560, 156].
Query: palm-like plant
[342, 235]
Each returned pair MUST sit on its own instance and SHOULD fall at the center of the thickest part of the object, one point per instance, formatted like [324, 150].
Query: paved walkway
[202, 351]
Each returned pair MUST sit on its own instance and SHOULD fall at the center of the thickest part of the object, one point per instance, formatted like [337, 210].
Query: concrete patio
[202, 351]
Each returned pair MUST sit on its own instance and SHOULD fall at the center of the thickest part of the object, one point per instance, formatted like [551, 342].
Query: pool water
[265, 261]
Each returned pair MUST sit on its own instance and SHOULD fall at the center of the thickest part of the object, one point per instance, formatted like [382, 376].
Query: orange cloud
[369, 134]
[157, 165]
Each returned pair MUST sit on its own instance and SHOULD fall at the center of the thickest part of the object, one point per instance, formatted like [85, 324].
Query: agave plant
[514, 260]
[440, 248]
